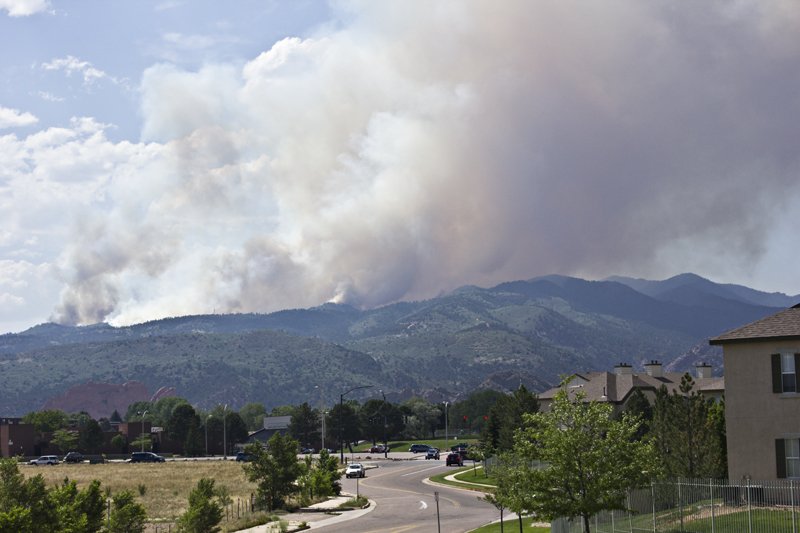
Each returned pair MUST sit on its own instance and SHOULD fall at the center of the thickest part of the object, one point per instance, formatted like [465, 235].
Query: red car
[455, 458]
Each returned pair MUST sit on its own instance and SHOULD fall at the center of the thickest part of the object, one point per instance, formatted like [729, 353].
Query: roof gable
[615, 388]
[783, 325]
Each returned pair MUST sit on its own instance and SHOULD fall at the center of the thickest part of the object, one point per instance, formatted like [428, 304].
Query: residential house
[762, 400]
[616, 387]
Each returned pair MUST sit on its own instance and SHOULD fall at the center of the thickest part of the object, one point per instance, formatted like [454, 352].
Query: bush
[205, 511]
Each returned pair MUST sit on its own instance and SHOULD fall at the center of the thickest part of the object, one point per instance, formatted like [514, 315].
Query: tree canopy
[588, 458]
[274, 469]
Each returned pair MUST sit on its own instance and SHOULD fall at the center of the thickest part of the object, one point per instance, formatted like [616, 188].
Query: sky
[167, 157]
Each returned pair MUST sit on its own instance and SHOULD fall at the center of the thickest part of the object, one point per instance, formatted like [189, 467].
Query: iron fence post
[653, 502]
[680, 504]
[791, 496]
[711, 491]
[630, 512]
[749, 513]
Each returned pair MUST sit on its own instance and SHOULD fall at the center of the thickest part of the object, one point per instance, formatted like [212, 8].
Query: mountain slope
[529, 332]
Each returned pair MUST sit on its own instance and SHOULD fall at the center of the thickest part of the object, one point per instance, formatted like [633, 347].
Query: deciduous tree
[590, 458]
[274, 469]
[253, 415]
[305, 425]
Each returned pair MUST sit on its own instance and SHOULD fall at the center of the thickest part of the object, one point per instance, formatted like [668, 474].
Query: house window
[788, 378]
[787, 458]
[784, 372]
[792, 458]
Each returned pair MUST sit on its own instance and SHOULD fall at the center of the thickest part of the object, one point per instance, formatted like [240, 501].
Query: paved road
[406, 504]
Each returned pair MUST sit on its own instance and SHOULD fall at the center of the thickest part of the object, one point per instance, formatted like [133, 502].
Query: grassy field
[166, 486]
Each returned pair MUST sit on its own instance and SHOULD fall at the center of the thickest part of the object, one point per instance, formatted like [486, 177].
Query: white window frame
[791, 448]
[788, 372]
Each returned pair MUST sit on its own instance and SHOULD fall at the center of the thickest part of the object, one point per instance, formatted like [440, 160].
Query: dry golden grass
[167, 485]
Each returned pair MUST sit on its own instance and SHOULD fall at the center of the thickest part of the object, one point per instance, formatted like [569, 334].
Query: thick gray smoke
[420, 146]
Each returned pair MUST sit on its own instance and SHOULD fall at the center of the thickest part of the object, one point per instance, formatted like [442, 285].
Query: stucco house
[616, 387]
[762, 397]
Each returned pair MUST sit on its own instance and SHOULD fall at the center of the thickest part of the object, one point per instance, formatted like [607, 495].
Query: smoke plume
[412, 147]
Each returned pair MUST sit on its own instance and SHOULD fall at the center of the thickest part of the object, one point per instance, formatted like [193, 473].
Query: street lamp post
[141, 437]
[224, 433]
[341, 422]
[385, 441]
[446, 443]
[206, 424]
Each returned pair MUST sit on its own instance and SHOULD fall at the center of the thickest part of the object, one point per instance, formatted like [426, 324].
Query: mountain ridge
[525, 331]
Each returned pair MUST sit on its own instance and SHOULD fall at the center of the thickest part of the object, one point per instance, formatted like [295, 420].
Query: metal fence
[701, 506]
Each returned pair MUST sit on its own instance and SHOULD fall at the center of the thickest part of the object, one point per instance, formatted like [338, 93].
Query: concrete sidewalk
[316, 515]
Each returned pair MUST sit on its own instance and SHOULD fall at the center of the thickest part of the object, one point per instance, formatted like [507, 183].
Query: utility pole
[224, 433]
[385, 441]
[446, 443]
[141, 437]
[341, 421]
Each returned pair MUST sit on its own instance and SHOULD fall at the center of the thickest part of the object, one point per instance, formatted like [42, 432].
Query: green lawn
[440, 478]
[512, 526]
[476, 475]
[774, 521]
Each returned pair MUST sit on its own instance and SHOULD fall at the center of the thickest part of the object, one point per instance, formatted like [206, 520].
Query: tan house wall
[754, 415]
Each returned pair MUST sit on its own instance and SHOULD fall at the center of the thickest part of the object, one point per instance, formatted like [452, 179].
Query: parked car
[355, 470]
[380, 448]
[419, 448]
[244, 457]
[145, 457]
[307, 450]
[74, 457]
[454, 458]
[433, 453]
[44, 460]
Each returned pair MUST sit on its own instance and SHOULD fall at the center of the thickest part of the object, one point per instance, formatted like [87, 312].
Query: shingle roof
[782, 325]
[615, 388]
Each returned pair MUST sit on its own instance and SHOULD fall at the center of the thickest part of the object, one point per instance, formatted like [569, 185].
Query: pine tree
[686, 433]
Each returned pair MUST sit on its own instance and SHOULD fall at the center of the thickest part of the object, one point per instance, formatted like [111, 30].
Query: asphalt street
[404, 503]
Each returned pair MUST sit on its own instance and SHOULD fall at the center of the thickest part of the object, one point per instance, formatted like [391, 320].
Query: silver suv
[44, 460]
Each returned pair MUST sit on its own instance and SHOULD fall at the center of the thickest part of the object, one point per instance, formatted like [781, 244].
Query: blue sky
[160, 158]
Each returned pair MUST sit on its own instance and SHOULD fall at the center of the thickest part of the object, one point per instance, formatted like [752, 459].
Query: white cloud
[169, 4]
[26, 289]
[196, 41]
[50, 97]
[24, 8]
[71, 64]
[12, 118]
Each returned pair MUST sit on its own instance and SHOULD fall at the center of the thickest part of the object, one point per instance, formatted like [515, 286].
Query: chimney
[703, 370]
[622, 369]
[654, 369]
